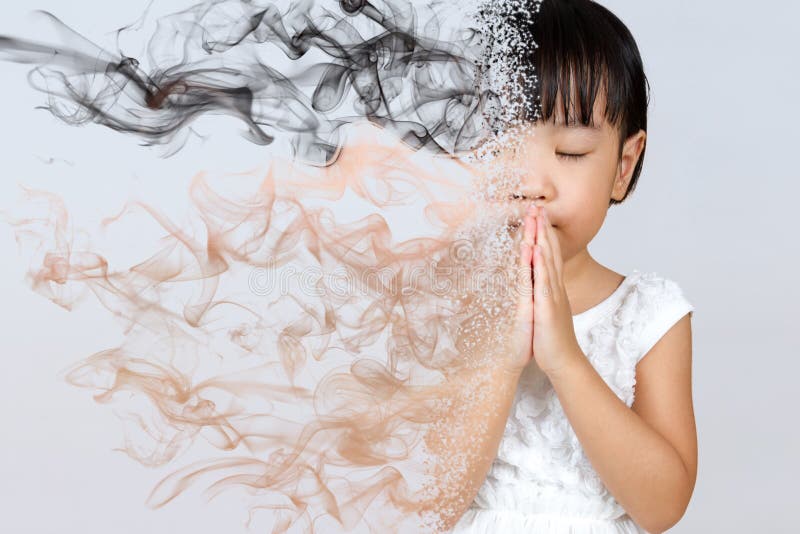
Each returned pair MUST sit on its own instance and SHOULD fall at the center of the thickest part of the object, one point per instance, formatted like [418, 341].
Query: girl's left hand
[555, 345]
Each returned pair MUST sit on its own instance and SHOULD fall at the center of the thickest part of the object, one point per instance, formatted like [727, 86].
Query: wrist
[568, 366]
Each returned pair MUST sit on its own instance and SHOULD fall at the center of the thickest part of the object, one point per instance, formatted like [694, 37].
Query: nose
[535, 186]
[533, 167]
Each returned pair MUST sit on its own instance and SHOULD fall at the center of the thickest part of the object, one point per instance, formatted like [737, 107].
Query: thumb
[522, 333]
[524, 278]
[524, 288]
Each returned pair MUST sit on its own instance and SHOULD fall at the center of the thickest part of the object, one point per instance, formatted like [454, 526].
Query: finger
[555, 245]
[524, 285]
[549, 256]
[529, 229]
[545, 265]
[529, 238]
[526, 255]
[541, 278]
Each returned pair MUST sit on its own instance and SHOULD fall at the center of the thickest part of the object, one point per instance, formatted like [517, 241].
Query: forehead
[571, 123]
[557, 127]
[570, 115]
[554, 121]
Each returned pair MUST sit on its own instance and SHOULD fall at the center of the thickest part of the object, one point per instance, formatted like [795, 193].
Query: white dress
[541, 480]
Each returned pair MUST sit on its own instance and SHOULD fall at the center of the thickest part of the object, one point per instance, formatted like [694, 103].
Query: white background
[715, 210]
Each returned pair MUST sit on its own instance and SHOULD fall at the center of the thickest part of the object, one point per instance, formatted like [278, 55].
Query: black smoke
[297, 69]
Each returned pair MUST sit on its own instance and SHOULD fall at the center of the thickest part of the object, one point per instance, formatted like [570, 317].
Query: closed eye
[566, 155]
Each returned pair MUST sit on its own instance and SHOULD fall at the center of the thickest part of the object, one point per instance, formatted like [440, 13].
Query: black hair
[583, 47]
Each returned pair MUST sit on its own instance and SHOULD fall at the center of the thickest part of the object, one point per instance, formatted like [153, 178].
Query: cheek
[582, 216]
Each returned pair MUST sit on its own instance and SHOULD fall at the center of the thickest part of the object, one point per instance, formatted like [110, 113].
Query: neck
[579, 271]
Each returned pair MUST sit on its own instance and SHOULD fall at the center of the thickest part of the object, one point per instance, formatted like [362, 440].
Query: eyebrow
[579, 126]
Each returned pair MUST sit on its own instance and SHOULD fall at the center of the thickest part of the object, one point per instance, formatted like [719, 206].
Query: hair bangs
[575, 63]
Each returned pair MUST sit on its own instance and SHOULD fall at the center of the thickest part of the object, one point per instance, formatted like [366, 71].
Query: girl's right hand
[521, 343]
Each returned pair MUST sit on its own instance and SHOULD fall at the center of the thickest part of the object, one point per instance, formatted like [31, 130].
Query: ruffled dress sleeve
[660, 303]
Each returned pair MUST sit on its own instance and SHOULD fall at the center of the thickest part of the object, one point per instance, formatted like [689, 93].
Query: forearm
[643, 472]
[473, 410]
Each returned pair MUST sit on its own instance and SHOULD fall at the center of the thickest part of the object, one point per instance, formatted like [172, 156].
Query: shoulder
[655, 284]
[653, 305]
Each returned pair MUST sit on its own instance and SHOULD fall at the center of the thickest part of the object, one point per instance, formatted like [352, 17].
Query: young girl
[600, 434]
[568, 450]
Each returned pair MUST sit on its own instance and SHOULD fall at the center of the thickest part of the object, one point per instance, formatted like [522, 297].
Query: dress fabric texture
[541, 480]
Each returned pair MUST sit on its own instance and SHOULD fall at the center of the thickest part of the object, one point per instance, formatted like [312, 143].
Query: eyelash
[570, 156]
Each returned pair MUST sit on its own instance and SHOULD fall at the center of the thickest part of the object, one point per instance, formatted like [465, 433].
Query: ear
[631, 152]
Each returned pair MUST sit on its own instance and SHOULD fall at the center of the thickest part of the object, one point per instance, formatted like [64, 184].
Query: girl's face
[574, 171]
